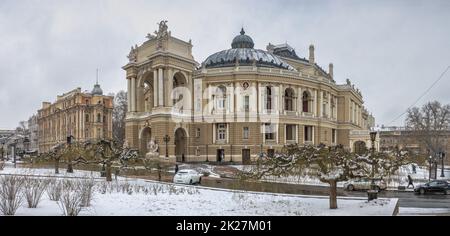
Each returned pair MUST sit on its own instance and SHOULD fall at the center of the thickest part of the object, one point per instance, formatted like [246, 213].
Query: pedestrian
[414, 168]
[410, 182]
[176, 168]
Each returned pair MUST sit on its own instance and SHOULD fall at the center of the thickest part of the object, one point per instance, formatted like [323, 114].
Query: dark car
[436, 186]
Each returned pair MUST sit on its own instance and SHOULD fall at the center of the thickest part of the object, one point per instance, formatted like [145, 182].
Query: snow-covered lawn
[143, 197]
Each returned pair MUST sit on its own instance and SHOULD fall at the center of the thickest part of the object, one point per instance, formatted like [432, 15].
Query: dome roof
[242, 50]
[97, 90]
[245, 56]
[242, 41]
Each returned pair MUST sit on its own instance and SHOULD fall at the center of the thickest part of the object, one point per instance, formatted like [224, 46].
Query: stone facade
[234, 109]
[392, 137]
[84, 115]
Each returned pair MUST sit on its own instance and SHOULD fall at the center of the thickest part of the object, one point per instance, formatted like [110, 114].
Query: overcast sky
[391, 50]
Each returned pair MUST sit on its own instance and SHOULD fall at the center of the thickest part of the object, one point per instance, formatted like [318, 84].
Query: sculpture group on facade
[153, 149]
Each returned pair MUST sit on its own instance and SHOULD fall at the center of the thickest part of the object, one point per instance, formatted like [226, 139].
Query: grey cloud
[391, 50]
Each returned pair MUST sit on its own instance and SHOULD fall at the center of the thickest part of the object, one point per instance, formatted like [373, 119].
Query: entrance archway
[144, 138]
[180, 145]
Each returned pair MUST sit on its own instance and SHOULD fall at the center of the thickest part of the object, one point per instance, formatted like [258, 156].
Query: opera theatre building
[238, 103]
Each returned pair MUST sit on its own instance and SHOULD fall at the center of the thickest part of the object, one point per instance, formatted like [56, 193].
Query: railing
[307, 114]
[359, 132]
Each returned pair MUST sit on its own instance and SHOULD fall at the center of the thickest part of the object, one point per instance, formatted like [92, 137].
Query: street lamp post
[166, 140]
[373, 136]
[442, 164]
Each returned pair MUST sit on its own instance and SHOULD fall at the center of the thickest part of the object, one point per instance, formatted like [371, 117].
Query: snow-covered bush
[71, 202]
[86, 186]
[54, 189]
[11, 195]
[34, 189]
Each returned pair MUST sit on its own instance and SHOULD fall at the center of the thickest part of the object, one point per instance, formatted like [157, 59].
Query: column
[281, 98]
[160, 87]
[329, 106]
[231, 93]
[299, 101]
[155, 88]
[170, 88]
[133, 94]
[129, 94]
[320, 107]
[314, 106]
[254, 98]
[214, 133]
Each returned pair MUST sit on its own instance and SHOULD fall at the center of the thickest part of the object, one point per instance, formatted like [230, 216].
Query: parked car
[364, 184]
[187, 176]
[435, 186]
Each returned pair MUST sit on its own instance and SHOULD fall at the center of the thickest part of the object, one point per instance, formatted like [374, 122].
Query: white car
[364, 184]
[187, 176]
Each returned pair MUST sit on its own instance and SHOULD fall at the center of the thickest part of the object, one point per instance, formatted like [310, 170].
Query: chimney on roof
[311, 54]
[330, 70]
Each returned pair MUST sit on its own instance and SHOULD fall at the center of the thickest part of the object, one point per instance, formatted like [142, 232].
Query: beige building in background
[84, 115]
[238, 103]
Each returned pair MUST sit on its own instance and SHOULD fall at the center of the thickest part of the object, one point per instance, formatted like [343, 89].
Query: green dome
[242, 41]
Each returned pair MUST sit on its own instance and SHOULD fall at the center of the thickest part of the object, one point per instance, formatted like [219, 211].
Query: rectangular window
[221, 103]
[308, 133]
[269, 131]
[221, 132]
[197, 133]
[247, 103]
[290, 133]
[246, 132]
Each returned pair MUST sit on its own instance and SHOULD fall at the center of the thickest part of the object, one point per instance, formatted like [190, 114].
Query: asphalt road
[409, 199]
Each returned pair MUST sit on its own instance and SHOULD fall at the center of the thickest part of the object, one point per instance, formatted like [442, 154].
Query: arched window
[305, 100]
[86, 117]
[99, 118]
[289, 99]
[269, 98]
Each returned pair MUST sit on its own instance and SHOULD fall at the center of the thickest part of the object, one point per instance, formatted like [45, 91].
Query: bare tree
[330, 164]
[107, 152]
[430, 125]
[119, 114]
[55, 154]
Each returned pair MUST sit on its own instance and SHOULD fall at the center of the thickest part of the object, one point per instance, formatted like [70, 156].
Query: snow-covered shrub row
[11, 194]
[151, 188]
[54, 189]
[71, 202]
[34, 189]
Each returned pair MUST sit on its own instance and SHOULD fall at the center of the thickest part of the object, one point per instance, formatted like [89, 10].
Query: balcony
[308, 114]
[290, 113]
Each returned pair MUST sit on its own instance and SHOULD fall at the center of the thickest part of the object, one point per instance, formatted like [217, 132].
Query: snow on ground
[162, 199]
